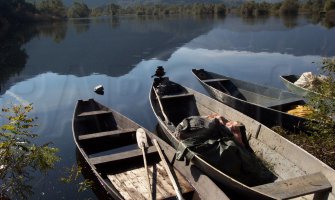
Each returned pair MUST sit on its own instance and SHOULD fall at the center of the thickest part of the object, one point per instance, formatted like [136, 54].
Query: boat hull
[288, 159]
[119, 145]
[270, 114]
[289, 83]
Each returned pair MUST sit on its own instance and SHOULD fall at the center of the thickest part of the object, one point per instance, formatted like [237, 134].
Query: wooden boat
[298, 172]
[265, 104]
[289, 80]
[107, 141]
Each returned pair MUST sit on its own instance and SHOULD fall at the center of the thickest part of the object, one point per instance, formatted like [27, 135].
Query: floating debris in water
[99, 89]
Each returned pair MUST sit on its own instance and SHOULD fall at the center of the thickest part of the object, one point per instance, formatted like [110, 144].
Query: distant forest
[23, 11]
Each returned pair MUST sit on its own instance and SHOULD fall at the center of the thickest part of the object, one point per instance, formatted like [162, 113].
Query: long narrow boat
[265, 104]
[289, 80]
[298, 173]
[107, 141]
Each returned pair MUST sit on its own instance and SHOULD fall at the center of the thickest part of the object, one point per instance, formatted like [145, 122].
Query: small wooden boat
[265, 104]
[107, 141]
[298, 173]
[289, 80]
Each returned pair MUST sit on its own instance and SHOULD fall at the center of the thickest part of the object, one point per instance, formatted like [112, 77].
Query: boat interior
[110, 144]
[178, 107]
[253, 93]
[291, 78]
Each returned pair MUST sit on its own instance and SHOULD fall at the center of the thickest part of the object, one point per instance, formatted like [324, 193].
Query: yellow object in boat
[300, 111]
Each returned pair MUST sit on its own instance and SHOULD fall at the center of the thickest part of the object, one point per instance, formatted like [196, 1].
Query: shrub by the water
[19, 156]
[324, 104]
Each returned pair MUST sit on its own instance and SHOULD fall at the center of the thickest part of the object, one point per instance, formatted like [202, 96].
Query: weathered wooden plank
[130, 188]
[176, 96]
[295, 187]
[105, 133]
[124, 183]
[214, 80]
[97, 112]
[164, 182]
[120, 156]
[138, 179]
[120, 186]
[130, 183]
[157, 186]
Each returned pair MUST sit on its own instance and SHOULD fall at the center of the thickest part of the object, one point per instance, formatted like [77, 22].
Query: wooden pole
[142, 142]
[161, 106]
[168, 170]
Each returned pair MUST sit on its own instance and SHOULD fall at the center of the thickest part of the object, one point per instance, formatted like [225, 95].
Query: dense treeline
[55, 8]
[15, 11]
[251, 8]
[12, 10]
[22, 10]
[19, 12]
[78, 10]
[196, 9]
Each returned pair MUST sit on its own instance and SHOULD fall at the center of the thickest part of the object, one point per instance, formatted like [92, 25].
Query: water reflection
[80, 25]
[55, 65]
[114, 46]
[290, 21]
[255, 20]
[56, 30]
[12, 57]
[112, 21]
[272, 36]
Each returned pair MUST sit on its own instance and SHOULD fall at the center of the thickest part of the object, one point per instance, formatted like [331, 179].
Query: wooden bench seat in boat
[176, 96]
[225, 86]
[105, 134]
[215, 80]
[121, 156]
[96, 112]
[313, 183]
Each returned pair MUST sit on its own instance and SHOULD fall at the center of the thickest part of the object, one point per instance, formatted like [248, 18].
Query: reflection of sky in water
[54, 95]
[269, 36]
[263, 67]
[248, 52]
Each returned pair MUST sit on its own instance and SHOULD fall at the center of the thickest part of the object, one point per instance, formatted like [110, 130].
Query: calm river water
[55, 65]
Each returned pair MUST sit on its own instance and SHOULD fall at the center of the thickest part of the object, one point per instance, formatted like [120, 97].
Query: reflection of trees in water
[81, 25]
[328, 23]
[56, 31]
[114, 21]
[329, 20]
[290, 21]
[12, 61]
[255, 20]
[313, 18]
[13, 58]
[178, 26]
